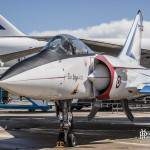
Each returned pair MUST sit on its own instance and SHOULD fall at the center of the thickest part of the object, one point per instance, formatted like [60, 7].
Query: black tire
[72, 141]
[79, 107]
[72, 107]
[61, 136]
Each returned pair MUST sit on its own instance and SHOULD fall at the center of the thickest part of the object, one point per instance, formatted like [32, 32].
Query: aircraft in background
[14, 44]
[66, 68]
[14, 47]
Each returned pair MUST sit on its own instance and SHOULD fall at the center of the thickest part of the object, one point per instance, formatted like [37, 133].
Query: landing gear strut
[66, 136]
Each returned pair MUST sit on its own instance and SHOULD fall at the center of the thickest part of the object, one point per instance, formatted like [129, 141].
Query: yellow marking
[60, 144]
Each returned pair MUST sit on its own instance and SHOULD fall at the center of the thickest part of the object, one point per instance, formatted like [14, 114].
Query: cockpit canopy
[58, 48]
[69, 45]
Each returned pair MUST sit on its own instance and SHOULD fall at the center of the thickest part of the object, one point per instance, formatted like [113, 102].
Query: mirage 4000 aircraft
[66, 68]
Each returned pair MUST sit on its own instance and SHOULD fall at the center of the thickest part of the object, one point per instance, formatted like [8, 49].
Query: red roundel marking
[118, 82]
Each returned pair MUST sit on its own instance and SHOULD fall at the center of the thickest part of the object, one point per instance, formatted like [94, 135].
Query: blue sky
[41, 15]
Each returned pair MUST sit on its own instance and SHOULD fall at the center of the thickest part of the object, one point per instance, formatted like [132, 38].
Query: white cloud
[114, 29]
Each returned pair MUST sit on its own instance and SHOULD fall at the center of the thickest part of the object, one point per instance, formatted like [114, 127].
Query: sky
[82, 18]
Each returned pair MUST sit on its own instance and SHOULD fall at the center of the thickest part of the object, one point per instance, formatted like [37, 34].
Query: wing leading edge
[16, 55]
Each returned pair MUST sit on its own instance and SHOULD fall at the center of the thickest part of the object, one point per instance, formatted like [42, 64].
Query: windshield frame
[74, 46]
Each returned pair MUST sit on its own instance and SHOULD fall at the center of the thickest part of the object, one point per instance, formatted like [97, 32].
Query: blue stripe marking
[2, 28]
[145, 89]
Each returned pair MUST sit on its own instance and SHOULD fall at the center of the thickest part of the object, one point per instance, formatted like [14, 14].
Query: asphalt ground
[22, 130]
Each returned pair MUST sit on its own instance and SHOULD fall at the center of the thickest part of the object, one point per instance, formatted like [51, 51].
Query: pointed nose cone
[9, 85]
[38, 83]
[14, 79]
[18, 85]
[3, 84]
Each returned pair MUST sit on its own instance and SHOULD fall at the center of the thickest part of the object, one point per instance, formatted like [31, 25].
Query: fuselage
[51, 71]
[68, 79]
[123, 74]
[67, 69]
[62, 79]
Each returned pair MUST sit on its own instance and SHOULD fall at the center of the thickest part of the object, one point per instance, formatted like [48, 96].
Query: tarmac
[21, 130]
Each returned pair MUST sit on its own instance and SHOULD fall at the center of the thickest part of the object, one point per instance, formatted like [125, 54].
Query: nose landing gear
[66, 136]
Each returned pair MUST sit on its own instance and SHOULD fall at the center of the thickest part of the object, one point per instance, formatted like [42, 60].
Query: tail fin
[8, 29]
[132, 46]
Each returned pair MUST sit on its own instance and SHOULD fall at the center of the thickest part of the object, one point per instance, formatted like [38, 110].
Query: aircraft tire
[79, 107]
[72, 141]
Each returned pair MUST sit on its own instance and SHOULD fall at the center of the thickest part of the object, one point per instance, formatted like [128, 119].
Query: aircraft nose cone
[3, 83]
[38, 83]
[9, 85]
[17, 86]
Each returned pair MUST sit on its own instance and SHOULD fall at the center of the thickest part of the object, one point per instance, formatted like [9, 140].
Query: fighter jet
[66, 68]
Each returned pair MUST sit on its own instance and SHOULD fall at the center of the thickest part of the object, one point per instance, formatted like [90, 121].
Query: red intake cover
[105, 94]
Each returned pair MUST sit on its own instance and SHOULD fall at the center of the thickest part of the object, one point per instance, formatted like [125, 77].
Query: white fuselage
[68, 79]
[62, 79]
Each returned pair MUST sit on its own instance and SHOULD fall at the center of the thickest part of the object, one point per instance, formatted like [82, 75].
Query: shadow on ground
[37, 132]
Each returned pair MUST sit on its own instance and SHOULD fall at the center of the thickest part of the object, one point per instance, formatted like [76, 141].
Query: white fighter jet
[66, 68]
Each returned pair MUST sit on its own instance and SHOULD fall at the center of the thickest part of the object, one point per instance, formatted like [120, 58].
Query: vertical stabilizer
[132, 46]
[8, 29]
